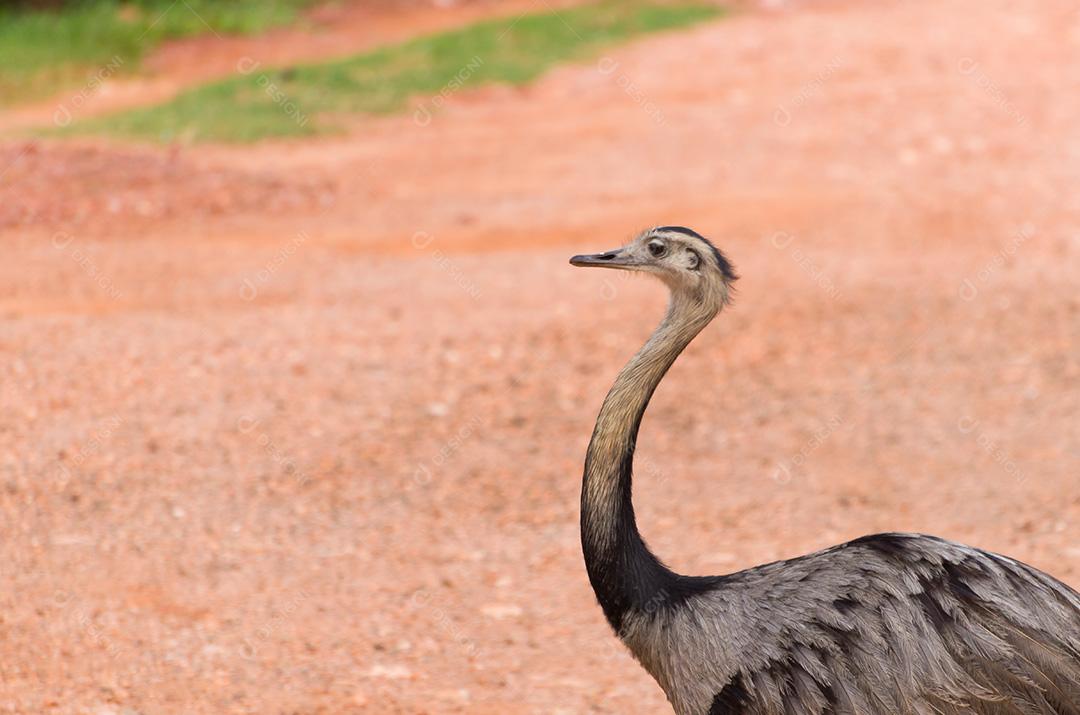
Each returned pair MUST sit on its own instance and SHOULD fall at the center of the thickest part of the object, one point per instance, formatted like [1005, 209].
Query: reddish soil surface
[298, 428]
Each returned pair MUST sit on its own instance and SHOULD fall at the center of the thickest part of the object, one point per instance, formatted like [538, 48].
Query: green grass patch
[307, 99]
[46, 50]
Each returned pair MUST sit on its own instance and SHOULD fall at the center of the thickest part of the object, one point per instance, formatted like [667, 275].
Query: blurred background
[296, 382]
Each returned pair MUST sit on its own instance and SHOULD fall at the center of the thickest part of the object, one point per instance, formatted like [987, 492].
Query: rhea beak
[608, 259]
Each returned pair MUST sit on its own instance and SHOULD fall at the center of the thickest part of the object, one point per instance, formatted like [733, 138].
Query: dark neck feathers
[624, 574]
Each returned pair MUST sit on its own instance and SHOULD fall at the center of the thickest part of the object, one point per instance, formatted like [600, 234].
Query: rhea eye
[694, 259]
[657, 248]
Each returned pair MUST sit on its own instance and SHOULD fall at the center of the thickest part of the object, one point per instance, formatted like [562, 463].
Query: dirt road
[298, 428]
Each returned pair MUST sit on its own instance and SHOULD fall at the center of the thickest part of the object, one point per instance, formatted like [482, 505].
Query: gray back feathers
[893, 623]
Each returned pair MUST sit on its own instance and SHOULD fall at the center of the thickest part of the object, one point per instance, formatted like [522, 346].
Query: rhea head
[691, 266]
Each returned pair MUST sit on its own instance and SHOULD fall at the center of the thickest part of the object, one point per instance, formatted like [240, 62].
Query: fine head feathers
[719, 259]
[692, 267]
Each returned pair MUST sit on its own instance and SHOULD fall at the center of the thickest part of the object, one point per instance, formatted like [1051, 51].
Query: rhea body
[889, 623]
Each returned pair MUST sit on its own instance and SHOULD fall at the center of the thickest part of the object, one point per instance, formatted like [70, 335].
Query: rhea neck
[624, 574]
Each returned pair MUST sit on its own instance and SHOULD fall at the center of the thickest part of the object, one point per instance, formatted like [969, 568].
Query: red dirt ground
[299, 428]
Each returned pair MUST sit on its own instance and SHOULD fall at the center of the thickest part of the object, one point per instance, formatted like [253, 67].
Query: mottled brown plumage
[890, 623]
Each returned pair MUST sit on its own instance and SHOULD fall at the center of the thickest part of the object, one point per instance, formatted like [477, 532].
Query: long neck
[623, 572]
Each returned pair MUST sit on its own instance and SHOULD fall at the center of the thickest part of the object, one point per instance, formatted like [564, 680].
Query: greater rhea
[889, 623]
